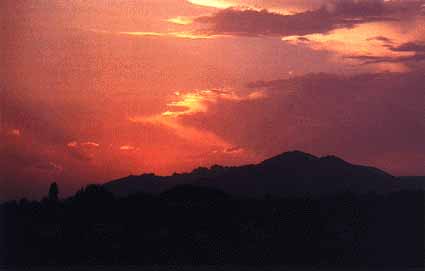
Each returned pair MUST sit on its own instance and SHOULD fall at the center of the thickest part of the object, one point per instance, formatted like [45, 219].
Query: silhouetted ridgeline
[289, 174]
[196, 224]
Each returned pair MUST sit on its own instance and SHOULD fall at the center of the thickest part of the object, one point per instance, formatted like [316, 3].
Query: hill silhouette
[292, 173]
[293, 209]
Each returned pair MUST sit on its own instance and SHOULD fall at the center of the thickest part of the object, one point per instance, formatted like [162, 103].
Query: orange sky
[96, 90]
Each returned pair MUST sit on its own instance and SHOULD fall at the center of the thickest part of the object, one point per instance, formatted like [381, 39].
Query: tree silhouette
[53, 192]
[195, 223]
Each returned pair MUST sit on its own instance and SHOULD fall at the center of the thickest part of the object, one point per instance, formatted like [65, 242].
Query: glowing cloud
[182, 35]
[213, 3]
[194, 135]
[75, 144]
[180, 20]
[241, 21]
[233, 150]
[83, 151]
[127, 148]
[90, 144]
[358, 40]
[361, 42]
[141, 33]
[72, 144]
[254, 5]
[197, 101]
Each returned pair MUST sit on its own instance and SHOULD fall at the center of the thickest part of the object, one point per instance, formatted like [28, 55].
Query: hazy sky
[96, 90]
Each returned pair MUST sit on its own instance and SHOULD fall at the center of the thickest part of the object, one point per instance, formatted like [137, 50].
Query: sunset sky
[96, 90]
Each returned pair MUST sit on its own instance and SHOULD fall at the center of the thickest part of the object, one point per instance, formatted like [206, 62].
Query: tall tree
[53, 192]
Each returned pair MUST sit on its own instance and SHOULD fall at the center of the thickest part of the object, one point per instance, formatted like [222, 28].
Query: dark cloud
[333, 15]
[303, 39]
[360, 118]
[388, 59]
[382, 39]
[83, 151]
[417, 48]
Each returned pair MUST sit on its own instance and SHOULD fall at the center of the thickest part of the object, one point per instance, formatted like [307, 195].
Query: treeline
[198, 225]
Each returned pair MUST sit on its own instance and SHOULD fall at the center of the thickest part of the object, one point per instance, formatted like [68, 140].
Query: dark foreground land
[198, 226]
[201, 268]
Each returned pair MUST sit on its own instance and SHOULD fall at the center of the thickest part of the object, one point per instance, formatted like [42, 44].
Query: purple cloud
[372, 119]
[388, 59]
[417, 48]
[333, 15]
[381, 39]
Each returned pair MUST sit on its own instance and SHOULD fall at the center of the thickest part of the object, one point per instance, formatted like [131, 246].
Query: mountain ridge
[287, 174]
